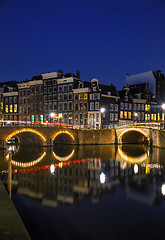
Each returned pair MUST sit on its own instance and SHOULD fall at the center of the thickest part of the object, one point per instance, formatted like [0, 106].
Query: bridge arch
[66, 158]
[26, 130]
[139, 130]
[63, 132]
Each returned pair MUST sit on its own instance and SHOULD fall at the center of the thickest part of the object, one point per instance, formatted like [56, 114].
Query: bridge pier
[48, 143]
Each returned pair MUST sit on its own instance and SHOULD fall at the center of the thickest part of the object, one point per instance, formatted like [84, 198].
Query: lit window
[11, 108]
[125, 115]
[129, 115]
[6, 108]
[121, 114]
[15, 107]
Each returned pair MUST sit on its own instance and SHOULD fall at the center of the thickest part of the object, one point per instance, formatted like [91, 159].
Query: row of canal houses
[64, 99]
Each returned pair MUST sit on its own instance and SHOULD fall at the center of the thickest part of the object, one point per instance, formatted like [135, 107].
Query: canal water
[87, 192]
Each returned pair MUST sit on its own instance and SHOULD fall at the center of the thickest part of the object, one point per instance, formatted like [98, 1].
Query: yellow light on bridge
[24, 130]
[63, 131]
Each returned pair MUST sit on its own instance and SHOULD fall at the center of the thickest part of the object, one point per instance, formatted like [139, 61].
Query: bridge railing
[154, 125]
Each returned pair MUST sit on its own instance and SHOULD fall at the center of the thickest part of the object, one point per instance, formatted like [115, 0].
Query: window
[32, 89]
[121, 114]
[70, 106]
[65, 96]
[28, 109]
[54, 89]
[50, 107]
[121, 105]
[70, 96]
[129, 115]
[15, 99]
[94, 96]
[50, 97]
[45, 90]
[138, 106]
[111, 107]
[76, 106]
[36, 88]
[15, 107]
[54, 82]
[60, 106]
[65, 107]
[97, 117]
[65, 88]
[85, 106]
[142, 107]
[45, 83]
[6, 108]
[126, 98]
[11, 108]
[49, 90]
[20, 93]
[134, 106]
[49, 82]
[76, 118]
[20, 101]
[92, 106]
[60, 88]
[24, 109]
[81, 118]
[85, 119]
[111, 116]
[97, 106]
[60, 97]
[20, 109]
[54, 97]
[24, 100]
[76, 97]
[85, 96]
[54, 106]
[126, 106]
[116, 117]
[130, 106]
[81, 97]
[81, 106]
[116, 107]
[70, 87]
[45, 98]
[90, 96]
[10, 99]
[125, 115]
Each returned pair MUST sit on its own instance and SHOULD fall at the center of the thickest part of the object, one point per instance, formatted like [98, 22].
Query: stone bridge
[45, 136]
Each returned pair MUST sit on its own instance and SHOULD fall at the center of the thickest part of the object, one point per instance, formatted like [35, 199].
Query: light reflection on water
[68, 175]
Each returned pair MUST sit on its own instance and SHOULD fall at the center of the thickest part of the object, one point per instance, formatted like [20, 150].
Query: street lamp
[102, 110]
[135, 116]
[51, 116]
[163, 107]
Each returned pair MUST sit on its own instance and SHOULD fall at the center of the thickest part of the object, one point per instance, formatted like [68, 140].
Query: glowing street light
[52, 169]
[102, 178]
[102, 110]
[163, 189]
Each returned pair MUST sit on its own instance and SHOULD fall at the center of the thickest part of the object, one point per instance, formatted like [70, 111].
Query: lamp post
[102, 110]
[163, 107]
[135, 116]
[51, 116]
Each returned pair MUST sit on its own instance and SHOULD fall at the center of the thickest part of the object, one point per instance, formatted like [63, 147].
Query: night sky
[102, 38]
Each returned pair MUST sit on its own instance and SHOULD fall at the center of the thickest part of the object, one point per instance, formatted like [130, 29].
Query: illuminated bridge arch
[123, 131]
[66, 158]
[63, 132]
[26, 130]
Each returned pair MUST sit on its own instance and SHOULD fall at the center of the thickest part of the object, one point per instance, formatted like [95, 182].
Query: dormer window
[80, 85]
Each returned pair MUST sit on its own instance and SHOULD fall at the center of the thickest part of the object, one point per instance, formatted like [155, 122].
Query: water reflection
[85, 170]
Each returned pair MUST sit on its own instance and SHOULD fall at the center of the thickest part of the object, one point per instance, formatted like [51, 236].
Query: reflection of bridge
[44, 136]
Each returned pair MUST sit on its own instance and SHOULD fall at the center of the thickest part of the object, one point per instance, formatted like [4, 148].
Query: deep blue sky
[102, 38]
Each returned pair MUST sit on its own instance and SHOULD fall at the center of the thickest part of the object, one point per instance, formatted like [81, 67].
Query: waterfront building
[58, 96]
[11, 107]
[80, 99]
[31, 100]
